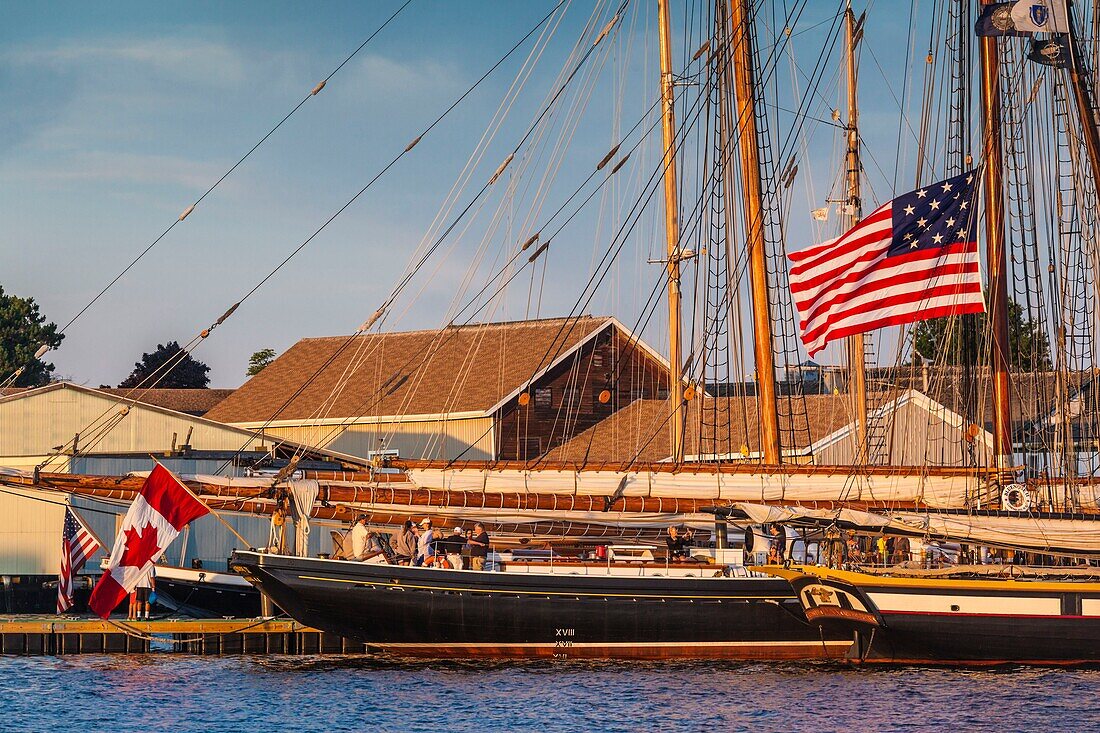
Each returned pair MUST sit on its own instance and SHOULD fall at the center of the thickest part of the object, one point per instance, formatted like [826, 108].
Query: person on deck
[425, 546]
[479, 547]
[677, 544]
[405, 547]
[360, 539]
[453, 547]
[778, 544]
[902, 550]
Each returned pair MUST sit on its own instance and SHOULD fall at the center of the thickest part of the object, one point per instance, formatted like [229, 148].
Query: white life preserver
[1016, 498]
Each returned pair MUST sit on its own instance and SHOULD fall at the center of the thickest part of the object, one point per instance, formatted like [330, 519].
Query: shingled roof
[714, 425]
[195, 402]
[459, 369]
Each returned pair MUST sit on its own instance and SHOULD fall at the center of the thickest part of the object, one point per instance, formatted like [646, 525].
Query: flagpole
[197, 498]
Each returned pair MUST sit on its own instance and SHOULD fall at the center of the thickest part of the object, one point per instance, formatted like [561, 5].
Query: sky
[117, 116]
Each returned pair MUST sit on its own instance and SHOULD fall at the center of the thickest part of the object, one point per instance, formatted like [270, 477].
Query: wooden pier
[45, 635]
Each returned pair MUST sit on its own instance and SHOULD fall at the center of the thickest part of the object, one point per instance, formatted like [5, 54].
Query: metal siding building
[427, 437]
[30, 532]
[32, 423]
[912, 430]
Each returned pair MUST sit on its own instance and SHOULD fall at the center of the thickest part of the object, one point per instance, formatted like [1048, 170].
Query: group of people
[422, 545]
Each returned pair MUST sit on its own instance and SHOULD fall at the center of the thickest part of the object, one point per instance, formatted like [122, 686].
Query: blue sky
[117, 116]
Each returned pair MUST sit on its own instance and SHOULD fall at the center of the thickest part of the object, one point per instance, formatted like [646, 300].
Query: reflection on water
[181, 693]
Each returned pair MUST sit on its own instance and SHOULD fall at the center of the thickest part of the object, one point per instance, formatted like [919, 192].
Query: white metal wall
[472, 438]
[30, 531]
[36, 422]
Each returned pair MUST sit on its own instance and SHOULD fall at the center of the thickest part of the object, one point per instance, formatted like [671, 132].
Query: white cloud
[184, 59]
[131, 168]
[379, 74]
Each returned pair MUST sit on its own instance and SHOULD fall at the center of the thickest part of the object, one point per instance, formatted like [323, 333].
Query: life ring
[1016, 498]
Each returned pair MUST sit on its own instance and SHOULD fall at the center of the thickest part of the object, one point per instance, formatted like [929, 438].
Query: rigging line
[225, 175]
[557, 231]
[454, 222]
[535, 126]
[531, 129]
[621, 236]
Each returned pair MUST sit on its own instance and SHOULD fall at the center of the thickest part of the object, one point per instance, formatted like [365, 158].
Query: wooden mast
[857, 368]
[995, 250]
[743, 77]
[1085, 101]
[672, 234]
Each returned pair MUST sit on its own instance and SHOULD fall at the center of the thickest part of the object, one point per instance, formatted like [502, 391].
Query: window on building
[597, 359]
[530, 448]
[544, 398]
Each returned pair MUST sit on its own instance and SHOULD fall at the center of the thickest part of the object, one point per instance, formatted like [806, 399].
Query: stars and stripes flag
[77, 545]
[913, 258]
[162, 508]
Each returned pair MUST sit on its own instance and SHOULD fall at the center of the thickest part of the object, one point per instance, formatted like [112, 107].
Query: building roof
[195, 402]
[714, 425]
[458, 369]
[65, 408]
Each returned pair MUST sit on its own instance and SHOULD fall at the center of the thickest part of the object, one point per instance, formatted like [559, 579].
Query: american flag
[913, 258]
[77, 545]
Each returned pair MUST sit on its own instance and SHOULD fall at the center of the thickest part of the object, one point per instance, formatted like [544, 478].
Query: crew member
[777, 549]
[677, 544]
[425, 546]
[453, 547]
[359, 539]
[479, 547]
[405, 547]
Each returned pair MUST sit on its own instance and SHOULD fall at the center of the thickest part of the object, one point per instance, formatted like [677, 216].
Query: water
[304, 694]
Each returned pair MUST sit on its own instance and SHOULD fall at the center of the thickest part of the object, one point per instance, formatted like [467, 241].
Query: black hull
[449, 613]
[207, 600]
[1012, 630]
[982, 640]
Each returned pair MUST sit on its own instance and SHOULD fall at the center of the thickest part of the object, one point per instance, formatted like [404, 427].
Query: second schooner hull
[903, 620]
[461, 613]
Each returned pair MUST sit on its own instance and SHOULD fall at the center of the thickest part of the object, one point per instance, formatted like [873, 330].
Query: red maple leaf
[141, 547]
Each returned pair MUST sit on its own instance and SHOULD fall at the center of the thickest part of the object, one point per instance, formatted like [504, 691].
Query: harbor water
[176, 693]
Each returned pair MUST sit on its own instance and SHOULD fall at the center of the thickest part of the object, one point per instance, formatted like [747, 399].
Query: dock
[52, 635]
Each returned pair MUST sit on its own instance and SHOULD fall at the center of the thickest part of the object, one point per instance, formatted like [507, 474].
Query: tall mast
[1083, 94]
[744, 82]
[995, 250]
[672, 234]
[857, 368]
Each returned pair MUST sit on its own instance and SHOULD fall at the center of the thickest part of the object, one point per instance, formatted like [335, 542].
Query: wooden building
[492, 391]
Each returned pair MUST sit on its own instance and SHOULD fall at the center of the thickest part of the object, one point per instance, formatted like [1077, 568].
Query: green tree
[22, 331]
[185, 373]
[959, 341]
[259, 361]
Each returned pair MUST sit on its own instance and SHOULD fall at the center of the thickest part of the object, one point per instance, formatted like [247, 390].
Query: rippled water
[159, 692]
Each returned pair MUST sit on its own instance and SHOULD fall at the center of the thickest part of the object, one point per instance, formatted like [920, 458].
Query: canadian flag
[161, 510]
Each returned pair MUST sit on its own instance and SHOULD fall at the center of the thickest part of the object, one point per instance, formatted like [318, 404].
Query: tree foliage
[259, 361]
[22, 330]
[960, 341]
[188, 373]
